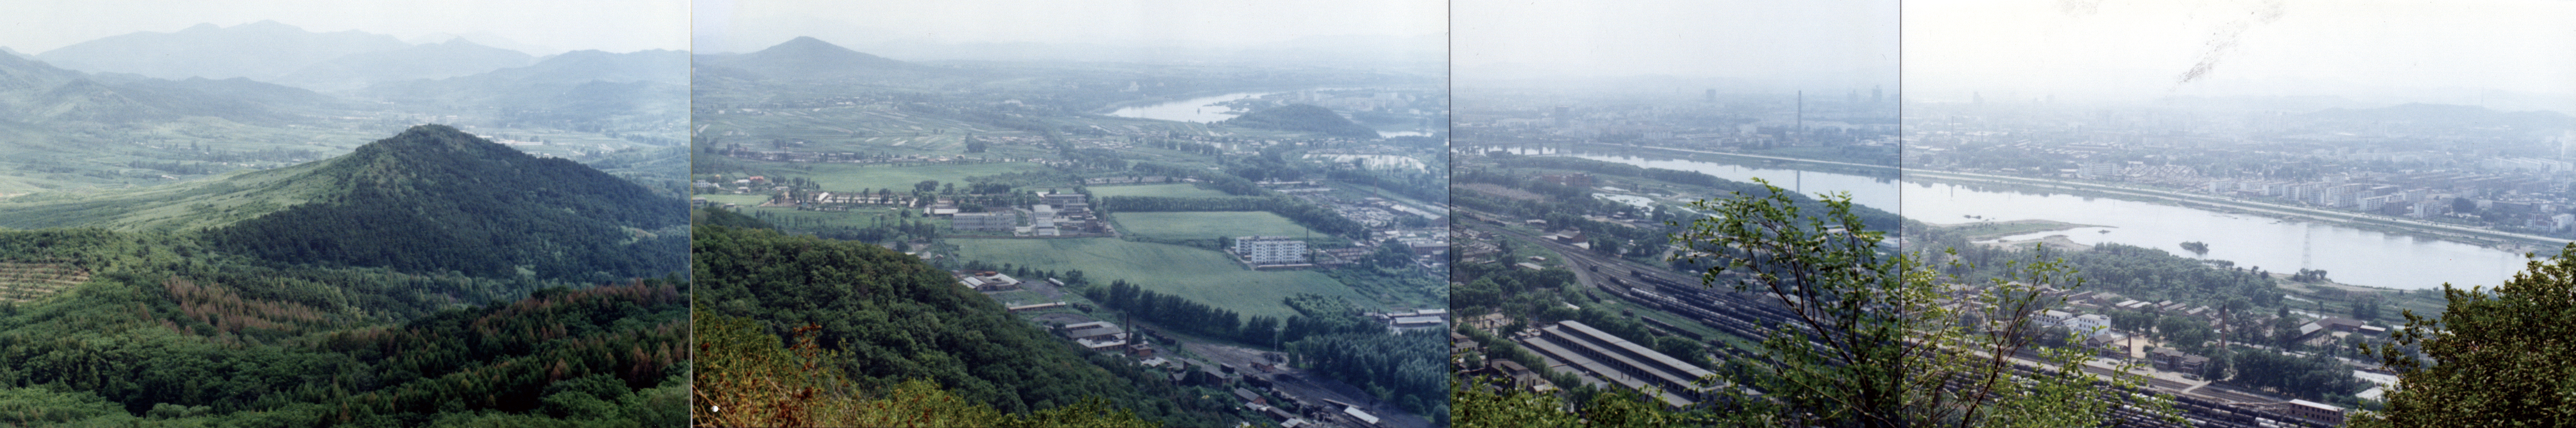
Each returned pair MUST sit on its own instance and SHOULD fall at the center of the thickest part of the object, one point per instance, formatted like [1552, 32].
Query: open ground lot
[1169, 226]
[1196, 274]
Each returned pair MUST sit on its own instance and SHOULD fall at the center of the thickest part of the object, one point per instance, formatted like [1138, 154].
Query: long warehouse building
[1617, 360]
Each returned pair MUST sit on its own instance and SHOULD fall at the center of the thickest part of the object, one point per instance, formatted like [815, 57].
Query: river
[1200, 110]
[2348, 255]
[1189, 110]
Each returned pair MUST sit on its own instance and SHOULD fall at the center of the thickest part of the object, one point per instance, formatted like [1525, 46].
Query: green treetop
[1879, 337]
[2500, 359]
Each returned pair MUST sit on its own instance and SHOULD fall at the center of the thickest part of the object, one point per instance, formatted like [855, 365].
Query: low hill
[895, 318]
[435, 199]
[1302, 118]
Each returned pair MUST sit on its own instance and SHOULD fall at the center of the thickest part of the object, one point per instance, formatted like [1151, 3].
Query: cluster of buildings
[1103, 336]
[986, 281]
[1060, 214]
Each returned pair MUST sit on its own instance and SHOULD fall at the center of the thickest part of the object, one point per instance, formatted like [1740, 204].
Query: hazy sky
[2444, 51]
[745, 26]
[1751, 39]
[610, 25]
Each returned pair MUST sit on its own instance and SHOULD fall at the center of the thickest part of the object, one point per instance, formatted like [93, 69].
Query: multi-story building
[1270, 250]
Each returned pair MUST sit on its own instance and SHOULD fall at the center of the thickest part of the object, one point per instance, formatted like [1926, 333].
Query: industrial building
[1002, 221]
[1621, 362]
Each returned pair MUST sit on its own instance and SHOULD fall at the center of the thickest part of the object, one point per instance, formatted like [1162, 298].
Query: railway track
[1750, 316]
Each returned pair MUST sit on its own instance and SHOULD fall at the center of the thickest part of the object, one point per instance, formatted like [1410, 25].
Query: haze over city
[542, 28]
[2505, 54]
[1128, 31]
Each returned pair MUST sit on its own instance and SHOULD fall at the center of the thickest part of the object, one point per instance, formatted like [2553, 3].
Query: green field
[791, 219]
[1196, 274]
[1174, 190]
[743, 200]
[842, 177]
[1209, 225]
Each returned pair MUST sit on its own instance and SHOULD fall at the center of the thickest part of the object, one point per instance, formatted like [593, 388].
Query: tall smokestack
[1801, 121]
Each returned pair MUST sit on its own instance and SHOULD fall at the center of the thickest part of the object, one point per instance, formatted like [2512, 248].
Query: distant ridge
[579, 88]
[455, 57]
[261, 50]
[2451, 115]
[36, 92]
[808, 57]
[435, 199]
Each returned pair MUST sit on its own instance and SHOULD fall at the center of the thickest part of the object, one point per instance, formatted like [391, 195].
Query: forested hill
[435, 199]
[893, 318]
[1302, 117]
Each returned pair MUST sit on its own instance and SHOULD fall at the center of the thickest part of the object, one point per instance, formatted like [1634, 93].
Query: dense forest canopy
[164, 329]
[893, 318]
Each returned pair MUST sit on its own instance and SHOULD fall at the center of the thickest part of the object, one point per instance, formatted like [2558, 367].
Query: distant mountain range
[261, 51]
[269, 51]
[576, 90]
[33, 92]
[456, 57]
[2449, 116]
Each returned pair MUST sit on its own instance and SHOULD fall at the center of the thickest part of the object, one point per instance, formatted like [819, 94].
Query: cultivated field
[793, 219]
[1209, 225]
[21, 282]
[1173, 190]
[1196, 274]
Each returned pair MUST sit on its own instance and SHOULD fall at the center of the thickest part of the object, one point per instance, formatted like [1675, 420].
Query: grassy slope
[184, 206]
[1197, 274]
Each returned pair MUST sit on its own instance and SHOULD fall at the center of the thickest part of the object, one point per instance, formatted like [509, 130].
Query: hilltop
[432, 199]
[437, 199]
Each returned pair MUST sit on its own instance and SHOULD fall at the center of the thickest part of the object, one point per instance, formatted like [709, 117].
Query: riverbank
[1984, 230]
[2502, 241]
